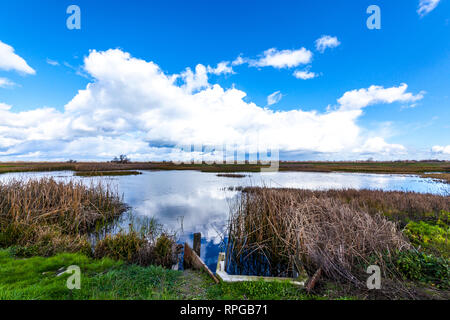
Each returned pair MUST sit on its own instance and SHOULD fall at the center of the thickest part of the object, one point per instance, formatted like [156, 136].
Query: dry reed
[54, 215]
[281, 231]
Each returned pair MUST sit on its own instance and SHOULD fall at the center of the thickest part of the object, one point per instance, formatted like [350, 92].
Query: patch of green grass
[418, 266]
[198, 285]
[258, 290]
[36, 278]
[431, 237]
[131, 282]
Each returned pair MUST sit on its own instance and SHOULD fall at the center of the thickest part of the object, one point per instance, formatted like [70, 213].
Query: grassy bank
[403, 167]
[37, 279]
[106, 173]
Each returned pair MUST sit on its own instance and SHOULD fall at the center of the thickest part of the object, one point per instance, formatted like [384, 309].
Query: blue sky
[411, 48]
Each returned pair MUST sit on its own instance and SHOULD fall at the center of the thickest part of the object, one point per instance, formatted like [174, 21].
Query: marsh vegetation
[45, 217]
[231, 175]
[403, 167]
[279, 232]
[106, 173]
[286, 232]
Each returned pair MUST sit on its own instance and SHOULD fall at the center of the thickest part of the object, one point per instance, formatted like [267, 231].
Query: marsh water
[187, 202]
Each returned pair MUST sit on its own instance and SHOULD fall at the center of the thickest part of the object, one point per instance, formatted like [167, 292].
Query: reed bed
[444, 177]
[231, 175]
[106, 173]
[283, 232]
[395, 205]
[50, 216]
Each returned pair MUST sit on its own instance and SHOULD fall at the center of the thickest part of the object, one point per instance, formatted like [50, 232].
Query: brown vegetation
[396, 205]
[44, 217]
[281, 232]
[141, 249]
[231, 175]
[405, 167]
[47, 216]
[106, 173]
[400, 167]
[445, 177]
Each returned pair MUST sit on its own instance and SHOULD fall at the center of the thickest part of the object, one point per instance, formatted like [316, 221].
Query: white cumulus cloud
[283, 59]
[239, 61]
[378, 146]
[426, 6]
[4, 107]
[10, 61]
[325, 42]
[131, 106]
[441, 149]
[274, 98]
[357, 99]
[4, 82]
[222, 68]
[195, 80]
[52, 62]
[304, 75]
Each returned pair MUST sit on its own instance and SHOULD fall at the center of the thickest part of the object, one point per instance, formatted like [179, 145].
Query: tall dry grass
[283, 231]
[396, 205]
[52, 216]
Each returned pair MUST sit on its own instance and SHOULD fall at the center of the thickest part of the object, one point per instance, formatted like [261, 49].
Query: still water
[186, 202]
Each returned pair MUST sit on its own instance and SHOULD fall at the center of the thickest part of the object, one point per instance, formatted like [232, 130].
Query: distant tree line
[122, 159]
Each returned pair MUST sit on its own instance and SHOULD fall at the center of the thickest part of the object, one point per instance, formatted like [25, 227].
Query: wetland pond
[187, 202]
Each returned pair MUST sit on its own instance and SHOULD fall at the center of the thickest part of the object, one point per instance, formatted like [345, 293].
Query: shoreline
[403, 167]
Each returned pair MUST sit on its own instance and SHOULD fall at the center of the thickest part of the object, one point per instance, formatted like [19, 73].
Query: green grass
[36, 279]
[258, 290]
[197, 285]
[131, 282]
[430, 236]
[424, 268]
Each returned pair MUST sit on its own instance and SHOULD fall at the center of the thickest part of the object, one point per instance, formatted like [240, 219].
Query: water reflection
[186, 202]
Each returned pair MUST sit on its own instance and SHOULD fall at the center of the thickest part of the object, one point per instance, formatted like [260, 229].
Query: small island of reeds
[106, 173]
[231, 175]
